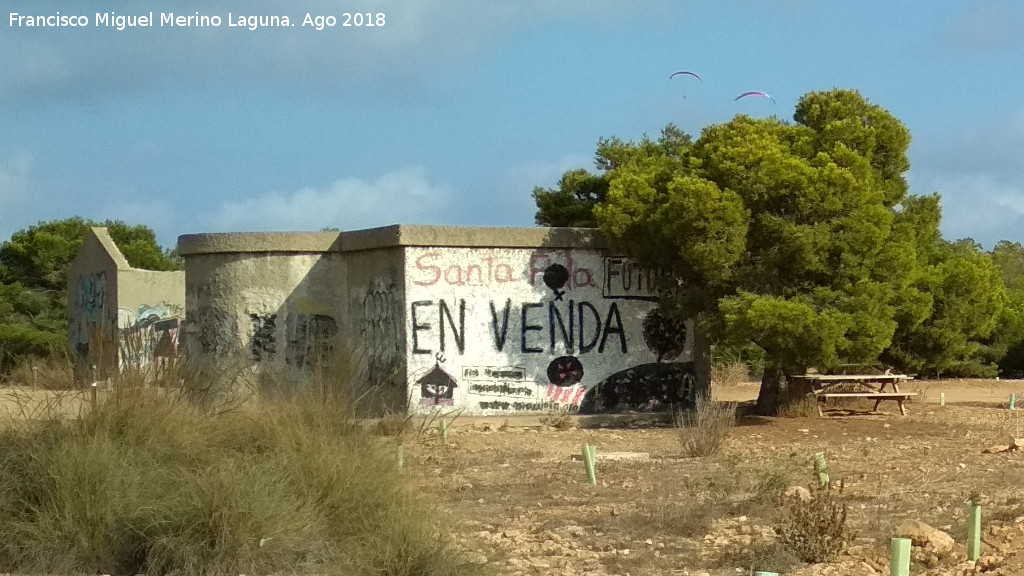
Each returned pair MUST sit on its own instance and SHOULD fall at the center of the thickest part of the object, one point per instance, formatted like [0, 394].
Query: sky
[451, 111]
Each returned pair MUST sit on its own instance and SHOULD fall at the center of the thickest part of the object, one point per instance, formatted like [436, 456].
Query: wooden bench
[899, 397]
[872, 386]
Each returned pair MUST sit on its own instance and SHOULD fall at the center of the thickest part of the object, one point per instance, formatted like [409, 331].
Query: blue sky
[453, 111]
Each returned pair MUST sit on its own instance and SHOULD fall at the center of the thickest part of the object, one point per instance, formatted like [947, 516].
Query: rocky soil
[517, 499]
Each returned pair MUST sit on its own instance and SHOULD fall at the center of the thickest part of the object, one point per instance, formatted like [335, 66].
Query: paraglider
[762, 94]
[685, 73]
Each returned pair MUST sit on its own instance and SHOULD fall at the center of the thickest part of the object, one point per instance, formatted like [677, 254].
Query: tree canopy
[1007, 341]
[579, 191]
[38, 256]
[798, 236]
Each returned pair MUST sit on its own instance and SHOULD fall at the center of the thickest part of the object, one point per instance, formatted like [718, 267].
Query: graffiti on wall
[151, 332]
[91, 295]
[498, 381]
[263, 342]
[646, 387]
[437, 386]
[90, 324]
[536, 327]
[542, 330]
[379, 328]
[305, 341]
[566, 398]
[626, 280]
[310, 340]
[213, 330]
[664, 336]
[434, 268]
[565, 371]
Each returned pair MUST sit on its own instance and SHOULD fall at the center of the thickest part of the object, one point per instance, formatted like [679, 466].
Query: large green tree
[33, 280]
[779, 233]
[961, 304]
[38, 256]
[30, 325]
[949, 316]
[572, 203]
[1008, 338]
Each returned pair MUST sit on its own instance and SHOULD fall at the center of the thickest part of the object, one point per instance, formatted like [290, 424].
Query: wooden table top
[854, 377]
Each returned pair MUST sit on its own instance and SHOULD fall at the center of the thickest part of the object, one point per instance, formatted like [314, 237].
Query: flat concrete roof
[389, 236]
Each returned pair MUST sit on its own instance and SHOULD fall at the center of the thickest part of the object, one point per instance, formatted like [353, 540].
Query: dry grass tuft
[799, 406]
[150, 482]
[558, 420]
[50, 373]
[729, 373]
[765, 556]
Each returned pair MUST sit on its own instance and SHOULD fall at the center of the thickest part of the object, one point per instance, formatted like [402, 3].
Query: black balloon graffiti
[665, 336]
[555, 277]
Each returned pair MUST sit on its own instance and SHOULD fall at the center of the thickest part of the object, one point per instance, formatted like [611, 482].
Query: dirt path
[956, 391]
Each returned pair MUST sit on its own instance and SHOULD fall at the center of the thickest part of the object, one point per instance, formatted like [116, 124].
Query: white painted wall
[499, 330]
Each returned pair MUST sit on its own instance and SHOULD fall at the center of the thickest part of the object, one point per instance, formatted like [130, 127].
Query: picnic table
[871, 386]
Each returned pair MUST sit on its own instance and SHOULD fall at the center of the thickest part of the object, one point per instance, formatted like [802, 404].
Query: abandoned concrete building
[481, 320]
[119, 316]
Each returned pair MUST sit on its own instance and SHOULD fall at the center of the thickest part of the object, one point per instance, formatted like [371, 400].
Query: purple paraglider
[685, 73]
[762, 94]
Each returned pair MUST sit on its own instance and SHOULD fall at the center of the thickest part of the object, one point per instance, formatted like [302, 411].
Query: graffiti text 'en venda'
[537, 328]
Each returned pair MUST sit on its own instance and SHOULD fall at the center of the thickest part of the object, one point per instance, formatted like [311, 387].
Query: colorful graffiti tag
[149, 334]
[91, 295]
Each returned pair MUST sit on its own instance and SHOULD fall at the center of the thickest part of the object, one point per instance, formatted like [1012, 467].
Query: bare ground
[517, 501]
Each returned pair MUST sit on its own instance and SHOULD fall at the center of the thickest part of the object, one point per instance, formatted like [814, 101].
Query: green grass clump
[149, 484]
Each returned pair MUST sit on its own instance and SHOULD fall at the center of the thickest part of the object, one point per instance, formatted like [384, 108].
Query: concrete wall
[430, 318]
[92, 304]
[121, 316]
[495, 330]
[150, 316]
[375, 328]
[272, 304]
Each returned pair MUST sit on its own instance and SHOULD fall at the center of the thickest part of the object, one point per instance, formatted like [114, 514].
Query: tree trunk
[702, 358]
[770, 397]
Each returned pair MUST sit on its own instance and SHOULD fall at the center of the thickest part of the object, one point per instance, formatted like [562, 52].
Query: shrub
[706, 426]
[148, 483]
[815, 529]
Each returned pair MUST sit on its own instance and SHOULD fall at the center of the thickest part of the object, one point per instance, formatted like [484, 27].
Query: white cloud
[418, 39]
[15, 191]
[980, 177]
[14, 180]
[404, 196]
[987, 26]
[977, 205]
